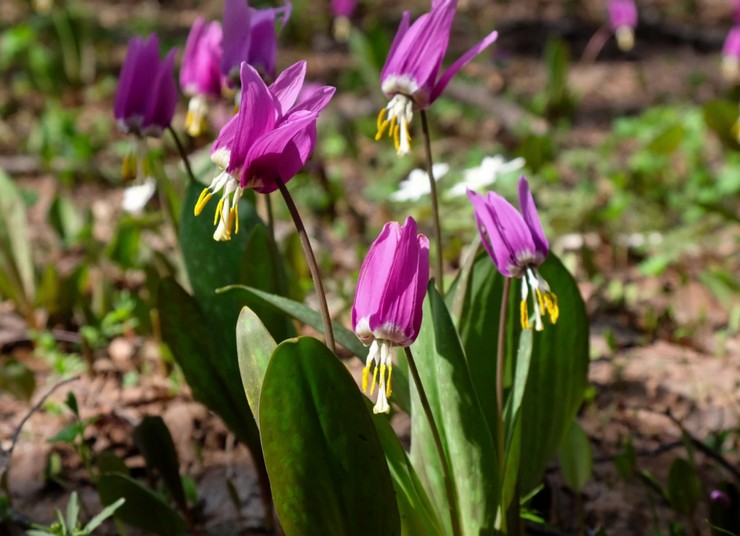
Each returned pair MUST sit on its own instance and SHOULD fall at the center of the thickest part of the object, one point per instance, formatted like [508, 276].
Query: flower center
[625, 38]
[226, 217]
[545, 301]
[379, 359]
[395, 119]
[195, 120]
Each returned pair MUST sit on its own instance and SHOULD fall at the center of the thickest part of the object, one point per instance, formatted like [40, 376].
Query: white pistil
[396, 118]
[379, 359]
[535, 283]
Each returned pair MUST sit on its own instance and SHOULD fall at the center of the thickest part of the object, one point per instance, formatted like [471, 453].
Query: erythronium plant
[623, 21]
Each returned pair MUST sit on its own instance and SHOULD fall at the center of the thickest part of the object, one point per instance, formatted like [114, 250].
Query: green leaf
[73, 512]
[143, 508]
[667, 140]
[17, 279]
[576, 457]
[312, 318]
[17, 379]
[558, 374]
[200, 354]
[720, 116]
[104, 514]
[418, 515]
[684, 487]
[466, 438]
[254, 345]
[154, 440]
[326, 465]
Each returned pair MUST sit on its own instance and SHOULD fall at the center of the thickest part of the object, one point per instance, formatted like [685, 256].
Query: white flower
[136, 196]
[485, 174]
[417, 184]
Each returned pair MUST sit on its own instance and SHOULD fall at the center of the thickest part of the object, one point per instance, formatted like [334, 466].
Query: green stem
[449, 486]
[439, 269]
[500, 358]
[183, 154]
[312, 264]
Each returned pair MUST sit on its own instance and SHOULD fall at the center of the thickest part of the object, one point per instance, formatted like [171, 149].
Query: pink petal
[460, 63]
[288, 85]
[532, 219]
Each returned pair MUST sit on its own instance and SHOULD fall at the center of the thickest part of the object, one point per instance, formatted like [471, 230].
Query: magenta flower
[623, 20]
[268, 141]
[147, 93]
[410, 77]
[518, 246]
[342, 11]
[200, 74]
[731, 54]
[390, 292]
[249, 35]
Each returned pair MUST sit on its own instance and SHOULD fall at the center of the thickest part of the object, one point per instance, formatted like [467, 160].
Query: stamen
[375, 380]
[218, 211]
[236, 216]
[381, 129]
[365, 377]
[396, 138]
[388, 389]
[524, 315]
[203, 199]
[381, 115]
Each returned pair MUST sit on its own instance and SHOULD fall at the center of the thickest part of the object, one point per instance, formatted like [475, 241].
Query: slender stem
[270, 216]
[595, 44]
[435, 204]
[183, 154]
[500, 358]
[312, 264]
[449, 487]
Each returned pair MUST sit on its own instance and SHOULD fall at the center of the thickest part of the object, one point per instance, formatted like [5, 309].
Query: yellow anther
[217, 214]
[203, 199]
[375, 380]
[365, 375]
[551, 304]
[129, 167]
[393, 126]
[524, 315]
[381, 115]
[388, 385]
[540, 300]
[235, 208]
[396, 137]
[381, 130]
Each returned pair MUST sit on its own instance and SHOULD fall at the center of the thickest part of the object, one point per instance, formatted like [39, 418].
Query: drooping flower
[388, 302]
[623, 20]
[410, 77]
[249, 35]
[731, 54]
[145, 99]
[268, 141]
[147, 93]
[518, 246]
[200, 74]
[342, 11]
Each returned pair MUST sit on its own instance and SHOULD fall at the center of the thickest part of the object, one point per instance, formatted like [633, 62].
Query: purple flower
[410, 77]
[518, 246]
[147, 93]
[390, 292]
[721, 498]
[200, 74]
[623, 20]
[731, 54]
[249, 35]
[268, 141]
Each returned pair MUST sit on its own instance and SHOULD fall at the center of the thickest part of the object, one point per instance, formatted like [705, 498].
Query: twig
[5, 455]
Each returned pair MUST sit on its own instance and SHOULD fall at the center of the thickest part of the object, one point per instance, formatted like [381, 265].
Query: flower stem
[449, 486]
[595, 44]
[312, 264]
[183, 154]
[500, 358]
[435, 204]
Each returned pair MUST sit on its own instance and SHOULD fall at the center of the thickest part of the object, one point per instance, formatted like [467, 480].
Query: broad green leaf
[154, 440]
[308, 316]
[143, 508]
[466, 438]
[667, 140]
[199, 352]
[576, 458]
[254, 345]
[17, 280]
[325, 461]
[684, 487]
[416, 510]
[559, 362]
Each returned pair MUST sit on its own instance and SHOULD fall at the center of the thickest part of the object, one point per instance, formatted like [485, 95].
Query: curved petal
[134, 89]
[236, 37]
[288, 85]
[280, 153]
[190, 59]
[262, 41]
[460, 63]
[422, 280]
[316, 101]
[532, 219]
[395, 54]
[163, 96]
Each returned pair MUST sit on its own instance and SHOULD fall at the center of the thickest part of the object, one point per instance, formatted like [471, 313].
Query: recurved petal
[288, 85]
[316, 101]
[422, 280]
[532, 219]
[279, 153]
[236, 37]
[396, 53]
[190, 58]
[460, 63]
